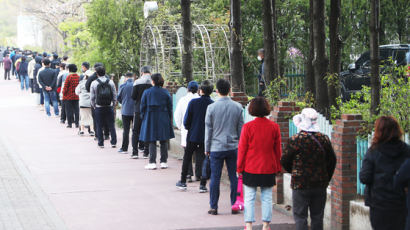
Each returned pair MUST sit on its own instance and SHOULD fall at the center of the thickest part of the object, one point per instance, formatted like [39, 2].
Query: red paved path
[101, 189]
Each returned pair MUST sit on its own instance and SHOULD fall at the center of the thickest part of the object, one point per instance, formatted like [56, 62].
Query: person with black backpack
[103, 100]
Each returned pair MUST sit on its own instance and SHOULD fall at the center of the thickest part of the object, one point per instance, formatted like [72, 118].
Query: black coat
[379, 167]
[48, 77]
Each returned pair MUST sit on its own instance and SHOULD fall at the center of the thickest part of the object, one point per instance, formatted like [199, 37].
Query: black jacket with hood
[379, 167]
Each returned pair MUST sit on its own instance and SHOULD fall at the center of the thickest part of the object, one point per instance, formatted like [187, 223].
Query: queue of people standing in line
[214, 132]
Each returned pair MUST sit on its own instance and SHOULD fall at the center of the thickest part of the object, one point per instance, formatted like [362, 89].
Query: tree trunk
[310, 73]
[320, 62]
[186, 40]
[236, 48]
[335, 52]
[269, 65]
[374, 56]
[275, 41]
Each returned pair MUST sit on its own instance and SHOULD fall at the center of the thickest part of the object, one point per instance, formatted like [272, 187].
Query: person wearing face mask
[261, 80]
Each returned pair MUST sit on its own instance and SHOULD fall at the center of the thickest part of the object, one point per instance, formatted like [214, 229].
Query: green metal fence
[294, 82]
[361, 148]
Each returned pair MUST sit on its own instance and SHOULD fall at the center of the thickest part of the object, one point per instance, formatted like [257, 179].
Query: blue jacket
[124, 97]
[156, 115]
[194, 120]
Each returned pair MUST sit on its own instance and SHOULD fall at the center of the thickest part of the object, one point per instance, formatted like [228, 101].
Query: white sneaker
[164, 165]
[151, 166]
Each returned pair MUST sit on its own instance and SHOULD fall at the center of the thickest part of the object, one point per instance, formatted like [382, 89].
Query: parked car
[358, 73]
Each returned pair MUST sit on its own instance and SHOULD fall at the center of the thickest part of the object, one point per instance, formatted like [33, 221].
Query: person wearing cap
[310, 158]
[194, 122]
[179, 115]
[127, 110]
[138, 89]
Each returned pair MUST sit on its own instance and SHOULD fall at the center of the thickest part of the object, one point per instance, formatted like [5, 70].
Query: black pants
[153, 152]
[382, 219]
[63, 116]
[126, 123]
[105, 117]
[198, 149]
[31, 85]
[106, 131]
[136, 143]
[313, 200]
[72, 110]
[6, 74]
[262, 88]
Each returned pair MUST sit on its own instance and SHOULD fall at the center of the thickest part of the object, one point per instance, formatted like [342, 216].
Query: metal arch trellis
[161, 48]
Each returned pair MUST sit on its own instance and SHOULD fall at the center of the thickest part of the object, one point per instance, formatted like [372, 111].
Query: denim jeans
[266, 200]
[41, 96]
[50, 97]
[313, 200]
[24, 80]
[105, 117]
[217, 161]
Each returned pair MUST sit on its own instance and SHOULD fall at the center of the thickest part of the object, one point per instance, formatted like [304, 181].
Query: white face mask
[259, 58]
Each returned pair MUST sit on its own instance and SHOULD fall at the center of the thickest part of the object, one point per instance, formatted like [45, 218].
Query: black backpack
[104, 93]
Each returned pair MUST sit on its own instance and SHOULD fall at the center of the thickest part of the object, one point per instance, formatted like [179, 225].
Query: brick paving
[22, 208]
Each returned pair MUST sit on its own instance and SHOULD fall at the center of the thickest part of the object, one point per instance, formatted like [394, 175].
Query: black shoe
[69, 126]
[122, 151]
[134, 156]
[181, 186]
[203, 189]
[77, 126]
[81, 133]
[106, 137]
[213, 212]
[101, 146]
[234, 212]
[145, 156]
[189, 179]
[62, 122]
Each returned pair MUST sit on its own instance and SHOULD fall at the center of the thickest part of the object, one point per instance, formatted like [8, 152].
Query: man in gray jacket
[103, 100]
[223, 124]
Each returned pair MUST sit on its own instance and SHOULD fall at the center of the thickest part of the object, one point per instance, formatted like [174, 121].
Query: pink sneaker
[239, 204]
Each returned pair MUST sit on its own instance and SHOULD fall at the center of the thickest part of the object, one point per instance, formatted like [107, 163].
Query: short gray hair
[146, 69]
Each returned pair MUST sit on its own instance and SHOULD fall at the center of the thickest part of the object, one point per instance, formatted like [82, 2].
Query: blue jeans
[266, 200]
[105, 118]
[41, 97]
[217, 161]
[24, 80]
[50, 97]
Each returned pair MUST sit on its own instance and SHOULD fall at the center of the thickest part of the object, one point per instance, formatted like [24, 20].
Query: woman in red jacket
[71, 99]
[259, 156]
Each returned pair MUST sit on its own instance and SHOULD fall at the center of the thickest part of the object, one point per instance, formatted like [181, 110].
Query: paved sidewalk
[91, 188]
